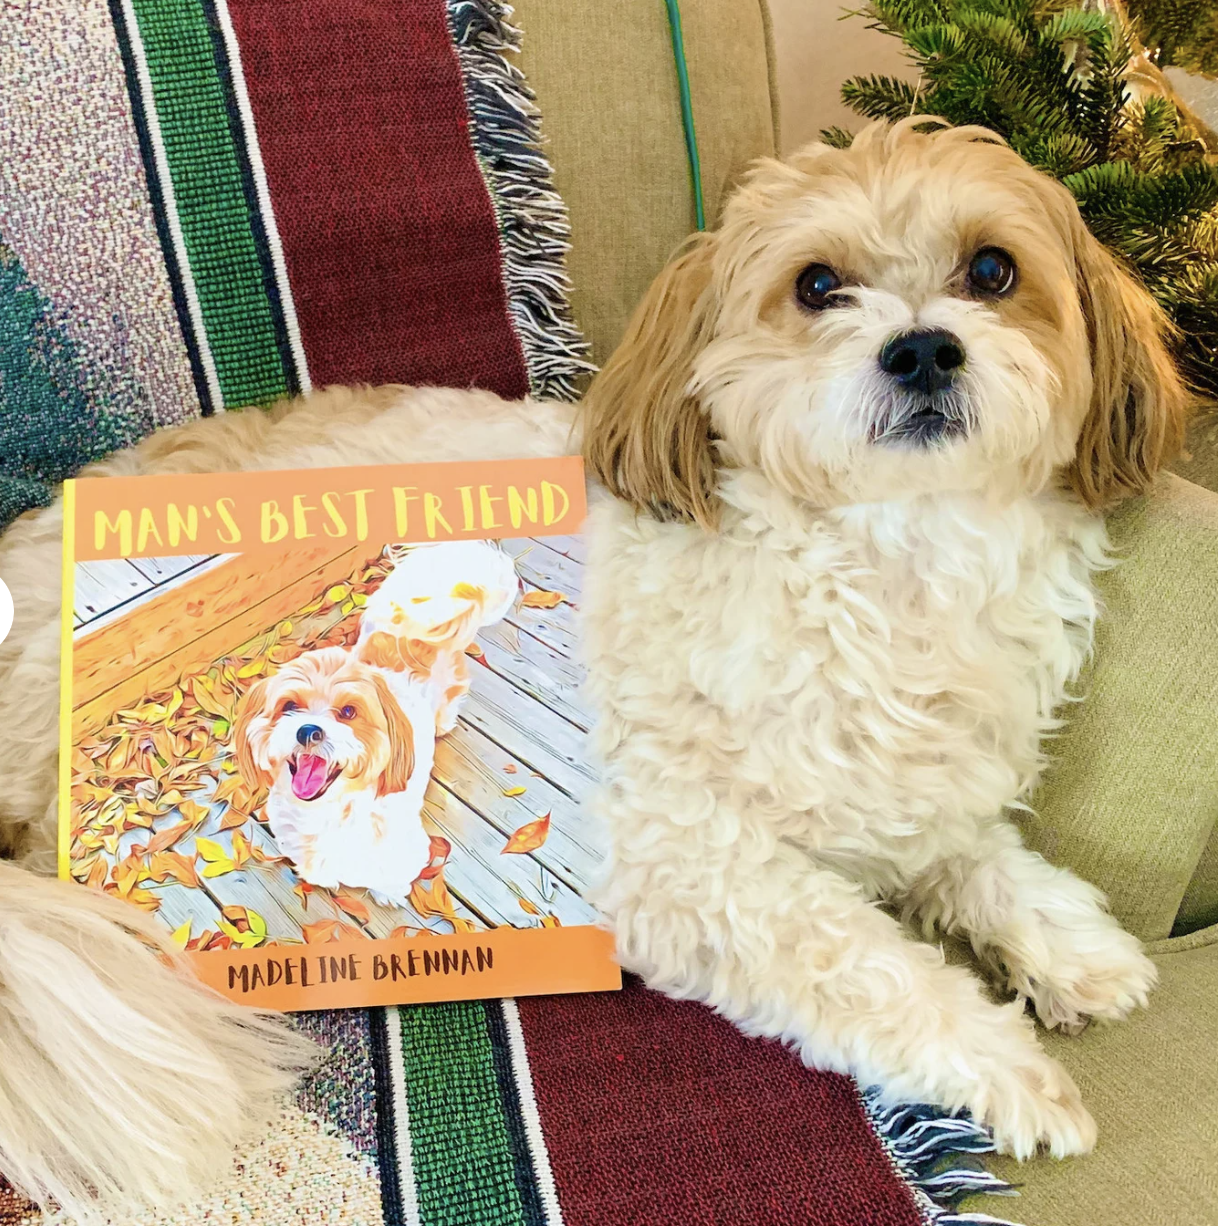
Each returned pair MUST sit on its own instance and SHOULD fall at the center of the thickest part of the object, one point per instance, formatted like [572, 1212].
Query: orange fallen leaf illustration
[258, 856]
[356, 908]
[127, 874]
[236, 915]
[528, 837]
[193, 812]
[431, 897]
[245, 798]
[440, 847]
[233, 819]
[302, 890]
[227, 788]
[543, 600]
[510, 768]
[173, 866]
[207, 698]
[146, 900]
[165, 839]
[97, 874]
[528, 907]
[243, 849]
[119, 759]
[243, 926]
[327, 930]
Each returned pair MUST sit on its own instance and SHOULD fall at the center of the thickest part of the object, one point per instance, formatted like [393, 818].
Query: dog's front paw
[1033, 1104]
[1104, 976]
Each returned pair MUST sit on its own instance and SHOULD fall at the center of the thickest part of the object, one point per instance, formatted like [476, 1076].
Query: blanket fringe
[927, 1149]
[533, 228]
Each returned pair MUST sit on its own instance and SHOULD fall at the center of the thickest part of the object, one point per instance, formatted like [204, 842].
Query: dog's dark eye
[991, 273]
[814, 286]
[289, 707]
[347, 712]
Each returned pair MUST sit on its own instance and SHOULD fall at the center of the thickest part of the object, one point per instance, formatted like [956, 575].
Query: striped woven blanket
[623, 1109]
[206, 204]
[209, 204]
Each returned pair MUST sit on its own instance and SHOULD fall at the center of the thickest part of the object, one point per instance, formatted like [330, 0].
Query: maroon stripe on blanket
[658, 1111]
[390, 241]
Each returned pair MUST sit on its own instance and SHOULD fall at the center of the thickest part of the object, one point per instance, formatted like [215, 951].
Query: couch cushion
[1199, 906]
[1132, 796]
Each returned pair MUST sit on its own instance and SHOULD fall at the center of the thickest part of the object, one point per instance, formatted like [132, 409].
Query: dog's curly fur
[824, 661]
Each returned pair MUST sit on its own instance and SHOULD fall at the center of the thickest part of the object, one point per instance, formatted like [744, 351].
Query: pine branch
[880, 97]
[1183, 32]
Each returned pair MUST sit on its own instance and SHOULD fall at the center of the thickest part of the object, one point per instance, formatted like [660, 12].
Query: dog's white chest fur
[870, 684]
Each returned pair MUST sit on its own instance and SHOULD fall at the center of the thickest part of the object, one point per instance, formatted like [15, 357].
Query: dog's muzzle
[926, 405]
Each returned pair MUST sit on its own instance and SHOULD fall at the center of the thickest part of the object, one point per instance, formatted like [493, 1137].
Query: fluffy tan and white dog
[347, 760]
[859, 437]
[345, 740]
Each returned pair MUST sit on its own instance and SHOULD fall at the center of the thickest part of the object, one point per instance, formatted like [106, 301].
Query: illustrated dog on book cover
[345, 738]
[855, 443]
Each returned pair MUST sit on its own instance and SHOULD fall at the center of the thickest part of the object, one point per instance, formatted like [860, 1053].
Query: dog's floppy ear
[1139, 403]
[401, 742]
[252, 705]
[645, 438]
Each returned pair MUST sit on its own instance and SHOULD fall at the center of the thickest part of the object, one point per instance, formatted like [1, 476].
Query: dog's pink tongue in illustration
[310, 776]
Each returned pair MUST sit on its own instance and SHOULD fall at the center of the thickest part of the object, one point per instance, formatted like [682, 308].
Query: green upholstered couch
[1132, 800]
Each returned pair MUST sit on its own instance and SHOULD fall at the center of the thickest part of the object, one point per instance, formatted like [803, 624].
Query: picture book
[326, 726]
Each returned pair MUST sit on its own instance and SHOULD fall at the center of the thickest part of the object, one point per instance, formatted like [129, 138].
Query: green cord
[687, 109]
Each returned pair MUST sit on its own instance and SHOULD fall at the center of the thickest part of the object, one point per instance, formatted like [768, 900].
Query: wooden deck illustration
[518, 754]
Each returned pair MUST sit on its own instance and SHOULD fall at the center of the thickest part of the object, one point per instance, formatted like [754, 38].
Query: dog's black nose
[310, 734]
[924, 361]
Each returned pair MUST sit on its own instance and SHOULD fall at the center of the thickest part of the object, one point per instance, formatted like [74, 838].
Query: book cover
[326, 726]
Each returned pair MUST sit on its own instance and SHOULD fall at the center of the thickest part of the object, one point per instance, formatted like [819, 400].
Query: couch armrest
[1132, 795]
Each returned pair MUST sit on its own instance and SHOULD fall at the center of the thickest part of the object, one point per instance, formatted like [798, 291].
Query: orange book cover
[327, 726]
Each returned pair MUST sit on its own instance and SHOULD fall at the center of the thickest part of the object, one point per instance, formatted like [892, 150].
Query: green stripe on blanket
[461, 1150]
[191, 111]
